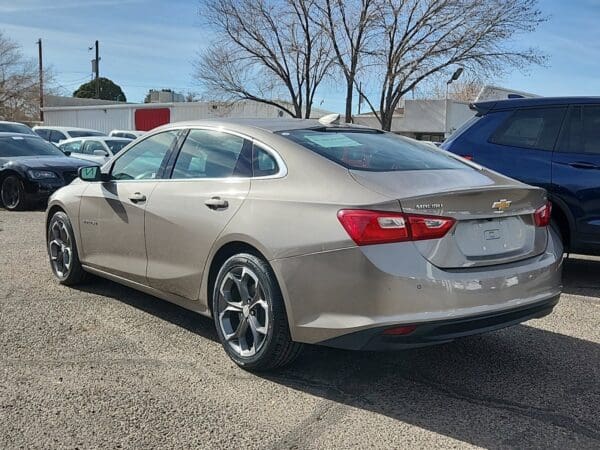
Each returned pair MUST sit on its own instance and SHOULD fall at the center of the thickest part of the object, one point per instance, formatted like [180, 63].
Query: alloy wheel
[61, 248]
[10, 193]
[243, 311]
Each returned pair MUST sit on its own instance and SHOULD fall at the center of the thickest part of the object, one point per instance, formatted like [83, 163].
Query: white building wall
[109, 117]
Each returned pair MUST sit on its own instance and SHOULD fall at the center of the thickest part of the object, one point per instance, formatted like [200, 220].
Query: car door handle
[583, 165]
[137, 197]
[216, 203]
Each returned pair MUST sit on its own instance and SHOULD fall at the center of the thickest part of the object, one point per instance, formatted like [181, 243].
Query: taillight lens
[542, 215]
[468, 157]
[367, 227]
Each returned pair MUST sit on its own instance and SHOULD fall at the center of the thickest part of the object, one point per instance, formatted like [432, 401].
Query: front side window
[582, 130]
[116, 146]
[92, 146]
[210, 154]
[73, 147]
[530, 128]
[57, 136]
[144, 160]
[372, 150]
[44, 134]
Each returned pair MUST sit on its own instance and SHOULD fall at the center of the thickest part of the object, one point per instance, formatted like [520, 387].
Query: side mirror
[67, 152]
[91, 173]
[100, 153]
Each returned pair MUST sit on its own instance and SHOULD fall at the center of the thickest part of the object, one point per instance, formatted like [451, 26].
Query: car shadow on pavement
[191, 321]
[519, 387]
[581, 276]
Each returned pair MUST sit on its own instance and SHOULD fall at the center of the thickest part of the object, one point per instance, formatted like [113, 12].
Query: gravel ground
[106, 366]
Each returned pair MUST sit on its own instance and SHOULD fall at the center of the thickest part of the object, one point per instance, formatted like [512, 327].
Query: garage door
[149, 118]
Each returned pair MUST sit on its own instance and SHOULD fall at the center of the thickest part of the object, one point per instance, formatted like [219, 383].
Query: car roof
[128, 131]
[483, 108]
[13, 134]
[50, 127]
[95, 138]
[269, 125]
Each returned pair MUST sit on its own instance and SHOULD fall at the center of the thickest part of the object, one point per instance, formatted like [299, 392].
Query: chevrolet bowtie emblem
[501, 205]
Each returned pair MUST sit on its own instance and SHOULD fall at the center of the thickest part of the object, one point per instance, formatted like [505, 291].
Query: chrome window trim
[281, 173]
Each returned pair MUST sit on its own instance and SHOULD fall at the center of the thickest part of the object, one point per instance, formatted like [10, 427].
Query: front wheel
[62, 251]
[250, 315]
[12, 193]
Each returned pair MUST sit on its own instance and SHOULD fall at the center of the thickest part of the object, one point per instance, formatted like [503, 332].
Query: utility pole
[41, 76]
[97, 70]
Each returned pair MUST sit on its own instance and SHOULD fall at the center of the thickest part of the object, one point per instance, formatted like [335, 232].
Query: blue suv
[553, 143]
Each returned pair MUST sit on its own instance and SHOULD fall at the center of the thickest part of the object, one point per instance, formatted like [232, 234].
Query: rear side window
[582, 130]
[84, 133]
[263, 163]
[530, 128]
[371, 150]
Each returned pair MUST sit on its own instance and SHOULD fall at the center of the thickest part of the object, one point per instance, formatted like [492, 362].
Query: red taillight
[367, 227]
[469, 157]
[429, 227]
[542, 215]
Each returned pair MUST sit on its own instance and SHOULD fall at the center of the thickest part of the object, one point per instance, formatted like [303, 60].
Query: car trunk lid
[494, 214]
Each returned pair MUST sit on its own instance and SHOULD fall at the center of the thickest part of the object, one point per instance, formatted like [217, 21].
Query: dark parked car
[549, 142]
[31, 169]
[15, 127]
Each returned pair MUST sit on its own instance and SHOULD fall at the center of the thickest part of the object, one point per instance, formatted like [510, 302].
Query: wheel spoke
[243, 311]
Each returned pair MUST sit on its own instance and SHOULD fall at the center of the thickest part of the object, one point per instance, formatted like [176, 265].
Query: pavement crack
[541, 414]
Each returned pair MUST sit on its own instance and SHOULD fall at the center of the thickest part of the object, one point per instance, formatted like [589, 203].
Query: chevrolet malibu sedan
[292, 232]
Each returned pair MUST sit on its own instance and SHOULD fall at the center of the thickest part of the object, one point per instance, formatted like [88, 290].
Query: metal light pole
[41, 78]
[455, 76]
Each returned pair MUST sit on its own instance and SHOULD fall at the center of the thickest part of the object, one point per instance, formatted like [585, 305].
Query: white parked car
[98, 149]
[129, 134]
[57, 135]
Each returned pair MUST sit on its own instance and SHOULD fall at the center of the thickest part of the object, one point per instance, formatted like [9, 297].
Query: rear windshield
[26, 146]
[371, 150]
[116, 146]
[84, 133]
[15, 128]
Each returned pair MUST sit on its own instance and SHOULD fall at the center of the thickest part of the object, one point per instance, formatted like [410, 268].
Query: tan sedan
[298, 231]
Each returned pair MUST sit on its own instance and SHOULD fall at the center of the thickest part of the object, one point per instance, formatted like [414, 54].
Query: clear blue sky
[151, 43]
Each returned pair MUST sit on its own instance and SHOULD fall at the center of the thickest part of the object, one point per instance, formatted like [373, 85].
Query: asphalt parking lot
[106, 366]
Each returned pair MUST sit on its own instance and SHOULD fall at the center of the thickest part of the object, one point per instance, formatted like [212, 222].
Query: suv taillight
[367, 227]
[542, 215]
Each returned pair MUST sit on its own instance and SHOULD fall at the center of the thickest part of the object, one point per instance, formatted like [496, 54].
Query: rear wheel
[12, 193]
[62, 251]
[250, 316]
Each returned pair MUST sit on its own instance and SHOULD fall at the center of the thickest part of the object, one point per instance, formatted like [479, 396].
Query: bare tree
[350, 27]
[420, 38]
[264, 50]
[19, 94]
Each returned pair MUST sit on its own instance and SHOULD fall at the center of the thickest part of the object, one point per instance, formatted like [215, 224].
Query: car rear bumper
[344, 292]
[442, 331]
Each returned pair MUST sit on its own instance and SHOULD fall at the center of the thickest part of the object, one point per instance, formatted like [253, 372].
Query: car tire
[12, 193]
[250, 315]
[62, 251]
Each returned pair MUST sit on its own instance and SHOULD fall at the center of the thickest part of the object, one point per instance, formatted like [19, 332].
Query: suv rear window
[372, 150]
[530, 128]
